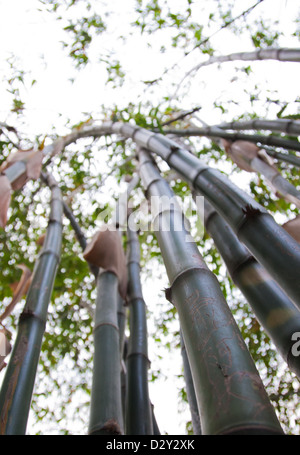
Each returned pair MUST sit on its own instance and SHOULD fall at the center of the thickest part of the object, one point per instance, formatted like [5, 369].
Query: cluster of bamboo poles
[224, 388]
[120, 401]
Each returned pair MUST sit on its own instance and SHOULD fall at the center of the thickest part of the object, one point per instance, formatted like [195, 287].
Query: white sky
[34, 38]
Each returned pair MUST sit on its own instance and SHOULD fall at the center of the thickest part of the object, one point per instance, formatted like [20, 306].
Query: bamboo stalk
[213, 132]
[252, 159]
[156, 430]
[285, 157]
[119, 220]
[190, 390]
[106, 404]
[273, 309]
[277, 251]
[288, 126]
[18, 383]
[138, 408]
[77, 229]
[277, 181]
[122, 318]
[120, 215]
[108, 391]
[124, 376]
[230, 395]
[79, 234]
[279, 54]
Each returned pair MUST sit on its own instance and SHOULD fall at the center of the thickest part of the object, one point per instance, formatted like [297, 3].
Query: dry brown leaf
[13, 286]
[33, 160]
[41, 239]
[242, 153]
[5, 197]
[5, 347]
[293, 228]
[106, 251]
[20, 155]
[19, 182]
[20, 290]
[34, 165]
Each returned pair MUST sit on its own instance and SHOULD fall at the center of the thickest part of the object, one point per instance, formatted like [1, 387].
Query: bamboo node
[112, 426]
[31, 314]
[250, 211]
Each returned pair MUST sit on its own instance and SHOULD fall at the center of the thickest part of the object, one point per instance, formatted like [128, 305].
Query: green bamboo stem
[277, 181]
[230, 395]
[282, 125]
[77, 229]
[249, 220]
[122, 317]
[138, 408]
[288, 126]
[279, 54]
[285, 157]
[273, 309]
[122, 320]
[119, 220]
[274, 248]
[216, 132]
[121, 212]
[190, 390]
[18, 383]
[259, 164]
[124, 376]
[79, 234]
[156, 430]
[106, 404]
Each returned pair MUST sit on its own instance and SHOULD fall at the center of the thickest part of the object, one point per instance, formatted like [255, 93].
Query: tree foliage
[92, 172]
